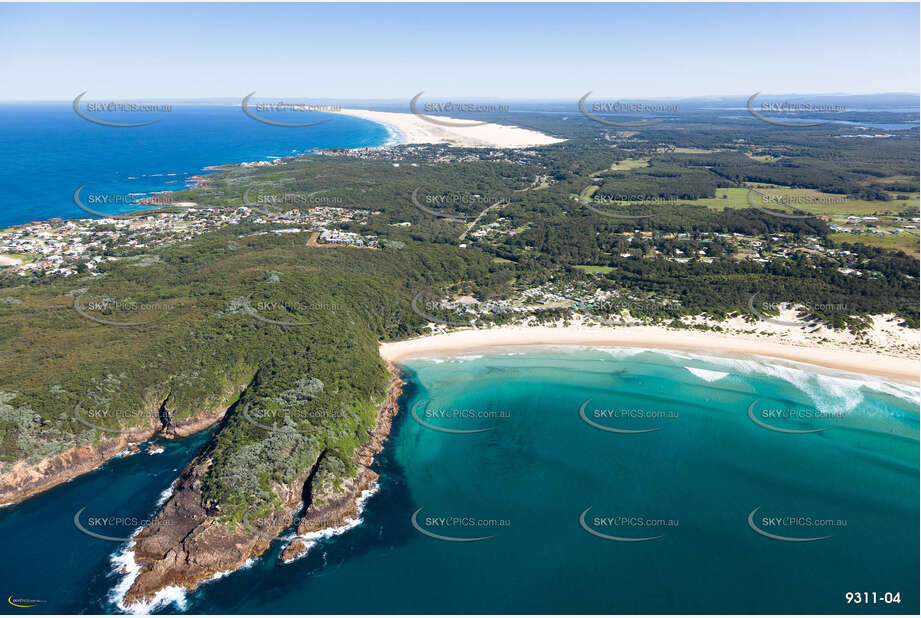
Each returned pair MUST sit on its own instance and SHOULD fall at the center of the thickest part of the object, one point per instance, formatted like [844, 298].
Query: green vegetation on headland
[297, 327]
[147, 336]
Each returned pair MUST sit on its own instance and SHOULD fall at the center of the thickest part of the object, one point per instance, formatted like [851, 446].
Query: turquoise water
[692, 483]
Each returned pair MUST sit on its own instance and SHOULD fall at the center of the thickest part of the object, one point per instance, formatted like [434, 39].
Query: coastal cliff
[25, 479]
[187, 544]
[330, 506]
[184, 545]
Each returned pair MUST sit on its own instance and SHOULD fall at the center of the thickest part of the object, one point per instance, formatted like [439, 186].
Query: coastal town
[65, 248]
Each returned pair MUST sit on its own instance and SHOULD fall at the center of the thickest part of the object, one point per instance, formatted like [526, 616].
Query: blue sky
[523, 51]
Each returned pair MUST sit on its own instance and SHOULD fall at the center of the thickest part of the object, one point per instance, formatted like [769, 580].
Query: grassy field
[906, 242]
[22, 258]
[629, 164]
[807, 200]
[594, 269]
[687, 150]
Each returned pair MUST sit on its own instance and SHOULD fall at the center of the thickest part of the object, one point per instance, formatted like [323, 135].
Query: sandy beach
[870, 363]
[413, 129]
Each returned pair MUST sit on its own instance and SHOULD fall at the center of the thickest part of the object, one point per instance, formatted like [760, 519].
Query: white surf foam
[462, 358]
[166, 494]
[829, 390]
[123, 563]
[311, 539]
[619, 353]
[707, 374]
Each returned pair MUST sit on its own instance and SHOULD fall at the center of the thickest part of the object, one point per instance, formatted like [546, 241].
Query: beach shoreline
[653, 338]
[406, 128]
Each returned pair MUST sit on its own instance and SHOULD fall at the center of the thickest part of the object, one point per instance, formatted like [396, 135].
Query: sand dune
[415, 129]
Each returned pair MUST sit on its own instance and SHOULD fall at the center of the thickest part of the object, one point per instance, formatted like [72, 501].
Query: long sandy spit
[417, 129]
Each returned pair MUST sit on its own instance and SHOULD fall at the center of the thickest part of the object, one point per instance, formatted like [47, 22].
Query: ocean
[559, 480]
[49, 151]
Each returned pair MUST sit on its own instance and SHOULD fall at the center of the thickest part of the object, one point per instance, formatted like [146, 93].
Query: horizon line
[549, 99]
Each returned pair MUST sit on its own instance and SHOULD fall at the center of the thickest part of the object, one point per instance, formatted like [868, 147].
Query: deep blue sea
[706, 508]
[49, 151]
